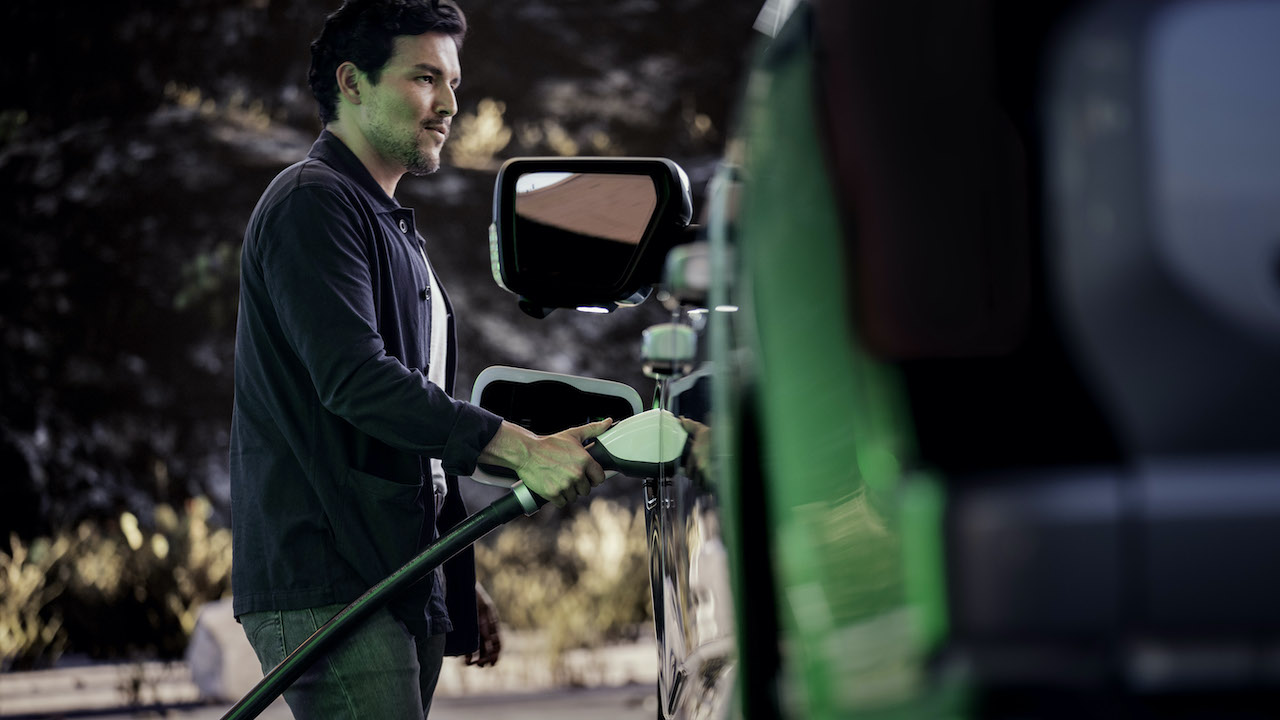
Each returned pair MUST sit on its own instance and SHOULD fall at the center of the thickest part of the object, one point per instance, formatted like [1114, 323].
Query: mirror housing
[586, 232]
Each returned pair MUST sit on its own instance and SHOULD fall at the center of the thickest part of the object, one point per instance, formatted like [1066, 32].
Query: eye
[427, 79]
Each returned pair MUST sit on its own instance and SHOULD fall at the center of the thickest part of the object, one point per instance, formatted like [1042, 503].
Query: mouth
[442, 130]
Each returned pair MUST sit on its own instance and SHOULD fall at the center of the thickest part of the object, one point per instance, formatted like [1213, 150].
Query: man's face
[407, 114]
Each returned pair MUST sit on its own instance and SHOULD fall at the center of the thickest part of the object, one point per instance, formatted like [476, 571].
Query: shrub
[584, 581]
[112, 588]
[127, 589]
[29, 633]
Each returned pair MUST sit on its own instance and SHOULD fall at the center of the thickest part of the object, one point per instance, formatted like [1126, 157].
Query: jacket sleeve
[315, 255]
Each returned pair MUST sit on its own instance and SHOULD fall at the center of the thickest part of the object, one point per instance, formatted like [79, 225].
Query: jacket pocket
[379, 523]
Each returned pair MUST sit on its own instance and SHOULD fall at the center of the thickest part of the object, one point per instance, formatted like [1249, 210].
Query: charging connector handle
[643, 446]
[531, 501]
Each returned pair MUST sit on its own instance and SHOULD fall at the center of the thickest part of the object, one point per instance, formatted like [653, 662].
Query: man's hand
[700, 452]
[555, 467]
[490, 637]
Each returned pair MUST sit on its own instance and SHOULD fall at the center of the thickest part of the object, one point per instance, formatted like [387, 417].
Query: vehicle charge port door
[546, 403]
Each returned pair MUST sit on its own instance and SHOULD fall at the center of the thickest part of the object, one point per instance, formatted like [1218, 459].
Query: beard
[418, 161]
[406, 149]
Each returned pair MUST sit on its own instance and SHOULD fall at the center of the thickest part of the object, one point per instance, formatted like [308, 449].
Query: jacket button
[404, 226]
[426, 293]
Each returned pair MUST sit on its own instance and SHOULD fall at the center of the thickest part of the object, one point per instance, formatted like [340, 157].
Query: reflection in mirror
[609, 207]
[582, 226]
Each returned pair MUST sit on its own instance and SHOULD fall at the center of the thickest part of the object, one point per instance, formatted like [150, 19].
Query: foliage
[112, 589]
[585, 581]
[115, 380]
[27, 637]
[480, 137]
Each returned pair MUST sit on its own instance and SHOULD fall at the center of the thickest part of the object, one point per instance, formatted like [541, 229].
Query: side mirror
[585, 233]
[546, 403]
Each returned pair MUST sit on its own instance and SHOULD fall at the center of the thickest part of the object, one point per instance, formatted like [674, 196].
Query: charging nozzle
[644, 445]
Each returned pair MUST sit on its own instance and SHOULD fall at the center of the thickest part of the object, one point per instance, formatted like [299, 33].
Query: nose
[446, 102]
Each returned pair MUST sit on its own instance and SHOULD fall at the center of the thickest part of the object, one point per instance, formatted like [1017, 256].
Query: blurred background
[135, 138]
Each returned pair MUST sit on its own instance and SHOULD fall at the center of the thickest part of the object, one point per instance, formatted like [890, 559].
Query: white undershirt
[439, 349]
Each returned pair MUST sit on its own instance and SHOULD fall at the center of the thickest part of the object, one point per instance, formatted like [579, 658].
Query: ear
[350, 82]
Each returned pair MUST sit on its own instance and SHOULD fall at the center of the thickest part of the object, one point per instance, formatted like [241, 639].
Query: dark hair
[363, 32]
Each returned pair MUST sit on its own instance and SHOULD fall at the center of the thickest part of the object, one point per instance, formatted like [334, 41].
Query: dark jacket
[334, 418]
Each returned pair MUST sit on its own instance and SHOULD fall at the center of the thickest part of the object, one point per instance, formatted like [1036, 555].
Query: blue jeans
[379, 671]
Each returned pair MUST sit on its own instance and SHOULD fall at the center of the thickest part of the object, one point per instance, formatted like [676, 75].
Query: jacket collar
[330, 150]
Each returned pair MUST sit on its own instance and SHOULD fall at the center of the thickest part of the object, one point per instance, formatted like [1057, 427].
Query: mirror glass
[581, 226]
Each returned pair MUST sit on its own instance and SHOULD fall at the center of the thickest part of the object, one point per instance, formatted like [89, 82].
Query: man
[345, 443]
